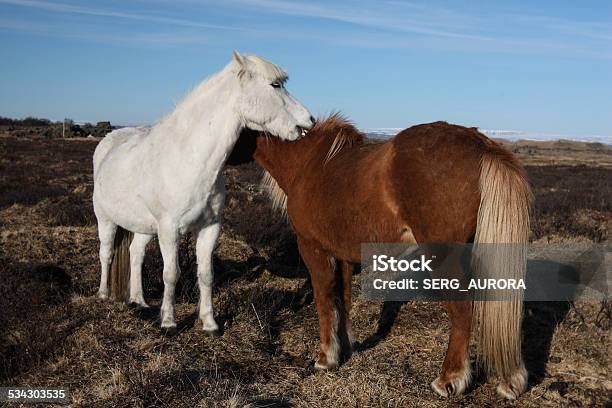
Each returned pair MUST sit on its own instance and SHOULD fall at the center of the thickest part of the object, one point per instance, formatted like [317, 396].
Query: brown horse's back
[421, 185]
[435, 172]
[343, 203]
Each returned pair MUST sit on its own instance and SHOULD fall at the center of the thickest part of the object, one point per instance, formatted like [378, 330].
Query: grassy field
[55, 332]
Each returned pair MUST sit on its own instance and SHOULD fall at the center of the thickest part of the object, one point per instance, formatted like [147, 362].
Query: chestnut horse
[432, 183]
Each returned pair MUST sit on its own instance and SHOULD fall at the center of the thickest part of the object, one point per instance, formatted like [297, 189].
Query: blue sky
[541, 66]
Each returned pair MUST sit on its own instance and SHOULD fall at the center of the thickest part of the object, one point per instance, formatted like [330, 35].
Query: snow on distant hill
[384, 133]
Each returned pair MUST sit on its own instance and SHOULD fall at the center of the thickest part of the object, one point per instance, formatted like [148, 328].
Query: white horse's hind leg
[168, 244]
[207, 238]
[106, 233]
[137, 252]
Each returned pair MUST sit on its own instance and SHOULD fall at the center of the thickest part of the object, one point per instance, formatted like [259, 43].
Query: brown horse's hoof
[453, 387]
[514, 387]
[508, 392]
[323, 365]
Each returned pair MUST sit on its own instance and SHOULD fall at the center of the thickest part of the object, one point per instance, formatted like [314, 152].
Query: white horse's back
[114, 139]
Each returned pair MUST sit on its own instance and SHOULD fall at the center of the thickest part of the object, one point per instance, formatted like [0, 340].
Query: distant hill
[45, 128]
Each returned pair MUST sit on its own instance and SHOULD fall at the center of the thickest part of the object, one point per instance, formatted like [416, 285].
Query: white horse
[167, 180]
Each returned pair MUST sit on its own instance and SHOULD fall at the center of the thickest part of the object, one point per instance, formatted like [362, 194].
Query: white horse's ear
[238, 58]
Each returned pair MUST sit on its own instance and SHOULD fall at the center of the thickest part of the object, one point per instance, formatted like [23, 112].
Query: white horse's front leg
[207, 239]
[168, 244]
[137, 253]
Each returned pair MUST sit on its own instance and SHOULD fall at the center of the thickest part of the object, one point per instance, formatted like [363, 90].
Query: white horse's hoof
[169, 331]
[209, 325]
[212, 333]
[103, 294]
[138, 304]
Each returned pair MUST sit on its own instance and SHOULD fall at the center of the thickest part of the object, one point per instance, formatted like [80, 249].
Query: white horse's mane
[261, 67]
[253, 66]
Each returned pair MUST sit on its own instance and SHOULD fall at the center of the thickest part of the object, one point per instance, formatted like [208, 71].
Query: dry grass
[56, 333]
[561, 152]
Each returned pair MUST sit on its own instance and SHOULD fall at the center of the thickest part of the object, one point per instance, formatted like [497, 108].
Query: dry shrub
[70, 210]
[571, 201]
[32, 298]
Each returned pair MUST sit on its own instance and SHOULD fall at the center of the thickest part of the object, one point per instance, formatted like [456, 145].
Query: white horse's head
[263, 103]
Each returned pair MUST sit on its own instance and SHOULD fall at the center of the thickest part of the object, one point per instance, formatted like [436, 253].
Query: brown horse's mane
[336, 125]
[336, 130]
[344, 131]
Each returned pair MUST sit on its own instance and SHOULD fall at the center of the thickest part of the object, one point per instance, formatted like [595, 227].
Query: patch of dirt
[55, 332]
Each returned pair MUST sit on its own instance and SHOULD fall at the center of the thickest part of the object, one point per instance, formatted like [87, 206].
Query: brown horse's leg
[347, 287]
[322, 272]
[456, 370]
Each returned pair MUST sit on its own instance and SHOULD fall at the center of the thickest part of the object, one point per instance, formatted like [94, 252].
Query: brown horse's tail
[503, 219]
[120, 265]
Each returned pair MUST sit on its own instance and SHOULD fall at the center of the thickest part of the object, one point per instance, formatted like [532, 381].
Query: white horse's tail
[499, 252]
[120, 265]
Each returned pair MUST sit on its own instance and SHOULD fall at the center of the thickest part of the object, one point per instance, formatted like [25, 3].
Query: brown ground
[55, 332]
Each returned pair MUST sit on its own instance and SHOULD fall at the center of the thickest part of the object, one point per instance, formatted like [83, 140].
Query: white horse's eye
[276, 84]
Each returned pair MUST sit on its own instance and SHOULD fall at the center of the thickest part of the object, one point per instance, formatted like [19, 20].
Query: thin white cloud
[72, 9]
[588, 29]
[85, 33]
[427, 19]
[386, 24]
[373, 18]
[448, 29]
